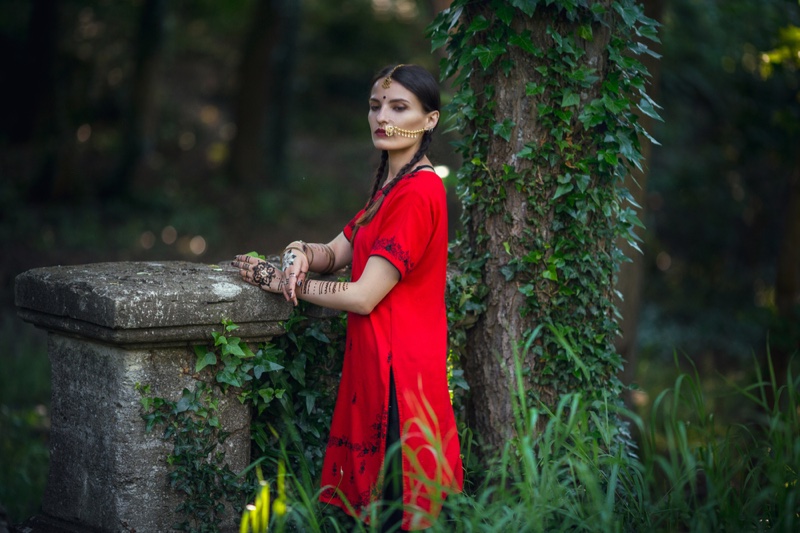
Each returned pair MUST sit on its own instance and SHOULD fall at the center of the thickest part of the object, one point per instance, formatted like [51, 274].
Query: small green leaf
[525, 43]
[570, 98]
[647, 108]
[532, 89]
[479, 23]
[526, 6]
[562, 190]
[208, 359]
[550, 273]
[487, 54]
[504, 129]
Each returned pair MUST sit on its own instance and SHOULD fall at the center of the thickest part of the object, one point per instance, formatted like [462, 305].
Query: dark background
[156, 130]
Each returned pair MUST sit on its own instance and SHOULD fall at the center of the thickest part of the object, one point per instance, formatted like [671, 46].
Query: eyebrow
[392, 101]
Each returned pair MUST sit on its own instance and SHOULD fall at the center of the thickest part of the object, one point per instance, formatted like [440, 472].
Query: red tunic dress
[407, 332]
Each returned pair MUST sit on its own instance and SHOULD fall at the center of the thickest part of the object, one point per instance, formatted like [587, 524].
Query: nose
[380, 116]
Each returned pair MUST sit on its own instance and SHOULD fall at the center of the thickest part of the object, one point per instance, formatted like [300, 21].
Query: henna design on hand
[288, 258]
[264, 274]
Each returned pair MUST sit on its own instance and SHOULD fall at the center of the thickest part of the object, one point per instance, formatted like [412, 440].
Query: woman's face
[398, 107]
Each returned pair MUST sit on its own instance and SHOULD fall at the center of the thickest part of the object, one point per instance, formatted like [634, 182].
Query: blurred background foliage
[155, 130]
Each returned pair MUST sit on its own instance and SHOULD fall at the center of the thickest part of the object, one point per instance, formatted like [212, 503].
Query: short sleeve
[405, 228]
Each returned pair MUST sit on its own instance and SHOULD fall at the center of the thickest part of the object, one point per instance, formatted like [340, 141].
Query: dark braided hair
[420, 82]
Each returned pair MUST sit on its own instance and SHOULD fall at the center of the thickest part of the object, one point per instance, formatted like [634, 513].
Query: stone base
[105, 471]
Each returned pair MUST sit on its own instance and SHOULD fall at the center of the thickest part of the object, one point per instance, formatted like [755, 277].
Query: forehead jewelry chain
[391, 130]
[387, 81]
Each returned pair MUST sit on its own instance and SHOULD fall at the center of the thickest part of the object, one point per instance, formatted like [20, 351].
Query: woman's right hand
[295, 268]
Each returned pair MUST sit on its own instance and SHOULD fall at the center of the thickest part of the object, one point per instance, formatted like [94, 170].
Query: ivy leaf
[628, 13]
[487, 54]
[526, 6]
[505, 13]
[209, 358]
[233, 349]
[570, 98]
[646, 107]
[562, 190]
[503, 129]
[265, 366]
[550, 273]
[532, 89]
[267, 394]
[524, 42]
[479, 23]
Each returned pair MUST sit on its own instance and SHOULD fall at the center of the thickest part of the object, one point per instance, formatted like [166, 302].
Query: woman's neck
[396, 163]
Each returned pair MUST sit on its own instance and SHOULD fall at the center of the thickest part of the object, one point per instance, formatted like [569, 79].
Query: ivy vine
[290, 384]
[566, 160]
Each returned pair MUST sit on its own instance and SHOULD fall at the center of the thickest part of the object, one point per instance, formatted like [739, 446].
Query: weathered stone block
[114, 325]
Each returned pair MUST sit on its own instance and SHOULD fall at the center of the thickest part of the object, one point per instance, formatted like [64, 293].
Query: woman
[394, 381]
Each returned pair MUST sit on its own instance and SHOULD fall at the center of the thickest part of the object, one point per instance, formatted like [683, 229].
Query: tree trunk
[255, 93]
[499, 228]
[283, 69]
[631, 274]
[787, 288]
[39, 115]
[141, 115]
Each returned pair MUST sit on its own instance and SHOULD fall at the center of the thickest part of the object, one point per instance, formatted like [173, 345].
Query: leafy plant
[290, 383]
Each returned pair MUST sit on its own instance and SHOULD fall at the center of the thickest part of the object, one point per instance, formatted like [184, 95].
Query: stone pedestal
[113, 325]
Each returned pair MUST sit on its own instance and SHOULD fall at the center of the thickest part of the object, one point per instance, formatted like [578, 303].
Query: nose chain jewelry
[391, 130]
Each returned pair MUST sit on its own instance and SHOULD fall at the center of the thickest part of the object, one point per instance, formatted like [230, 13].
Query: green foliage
[690, 474]
[570, 176]
[198, 469]
[290, 384]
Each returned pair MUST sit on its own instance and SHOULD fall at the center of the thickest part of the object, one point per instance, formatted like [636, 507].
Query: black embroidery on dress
[362, 449]
[395, 250]
[362, 467]
[334, 470]
[379, 426]
[353, 401]
[389, 358]
[328, 493]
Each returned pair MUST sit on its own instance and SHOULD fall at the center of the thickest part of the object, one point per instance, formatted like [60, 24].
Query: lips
[380, 132]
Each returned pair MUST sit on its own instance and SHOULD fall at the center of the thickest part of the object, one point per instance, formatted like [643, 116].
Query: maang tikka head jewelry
[387, 81]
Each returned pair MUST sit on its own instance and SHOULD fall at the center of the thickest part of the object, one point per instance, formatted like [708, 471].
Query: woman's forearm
[359, 297]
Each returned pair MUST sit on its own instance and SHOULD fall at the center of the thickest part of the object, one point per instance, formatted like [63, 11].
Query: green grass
[689, 473]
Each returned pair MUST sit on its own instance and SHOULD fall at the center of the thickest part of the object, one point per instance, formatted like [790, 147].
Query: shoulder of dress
[424, 181]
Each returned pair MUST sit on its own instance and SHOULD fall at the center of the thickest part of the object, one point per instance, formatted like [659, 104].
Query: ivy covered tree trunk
[545, 103]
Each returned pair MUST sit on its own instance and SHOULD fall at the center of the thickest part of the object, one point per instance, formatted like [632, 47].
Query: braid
[373, 206]
[380, 174]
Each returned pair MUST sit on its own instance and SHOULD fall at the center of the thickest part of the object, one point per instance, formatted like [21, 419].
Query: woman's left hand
[260, 273]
